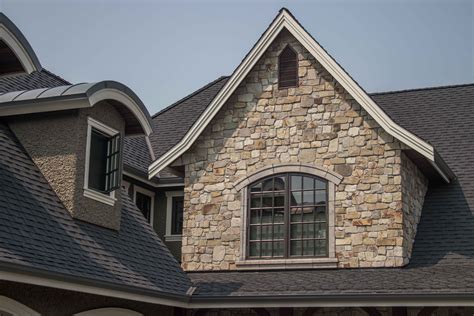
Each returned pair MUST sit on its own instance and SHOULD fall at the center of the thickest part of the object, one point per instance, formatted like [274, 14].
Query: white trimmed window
[144, 200]
[102, 172]
[174, 215]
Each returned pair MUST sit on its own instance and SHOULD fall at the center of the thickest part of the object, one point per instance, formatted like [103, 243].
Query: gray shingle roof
[34, 80]
[37, 233]
[136, 154]
[443, 255]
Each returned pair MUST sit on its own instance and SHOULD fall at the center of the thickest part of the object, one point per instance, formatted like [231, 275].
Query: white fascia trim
[109, 311]
[44, 106]
[15, 308]
[66, 285]
[285, 20]
[108, 199]
[20, 52]
[150, 183]
[114, 94]
[148, 193]
[169, 214]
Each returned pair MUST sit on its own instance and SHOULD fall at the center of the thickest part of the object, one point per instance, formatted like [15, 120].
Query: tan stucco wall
[57, 144]
[316, 123]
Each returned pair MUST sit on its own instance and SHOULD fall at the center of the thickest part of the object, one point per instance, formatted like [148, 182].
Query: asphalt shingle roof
[38, 233]
[34, 80]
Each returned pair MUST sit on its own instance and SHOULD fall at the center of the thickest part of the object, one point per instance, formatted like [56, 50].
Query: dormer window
[102, 174]
[287, 68]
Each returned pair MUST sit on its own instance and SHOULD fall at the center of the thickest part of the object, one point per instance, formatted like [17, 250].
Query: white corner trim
[109, 311]
[15, 308]
[169, 213]
[148, 193]
[117, 95]
[108, 199]
[285, 20]
[20, 52]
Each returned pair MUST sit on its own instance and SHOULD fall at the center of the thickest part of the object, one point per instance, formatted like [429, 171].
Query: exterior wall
[316, 123]
[55, 302]
[414, 187]
[57, 144]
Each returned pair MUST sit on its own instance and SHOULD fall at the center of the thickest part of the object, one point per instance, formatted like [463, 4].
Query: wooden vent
[287, 68]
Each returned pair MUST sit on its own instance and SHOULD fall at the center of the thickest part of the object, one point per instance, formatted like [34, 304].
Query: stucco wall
[316, 123]
[57, 144]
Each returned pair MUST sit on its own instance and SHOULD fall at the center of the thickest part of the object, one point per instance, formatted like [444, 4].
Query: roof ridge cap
[169, 107]
[424, 88]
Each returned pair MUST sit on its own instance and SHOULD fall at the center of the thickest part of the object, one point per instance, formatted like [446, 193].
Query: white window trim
[330, 261]
[108, 199]
[109, 311]
[149, 193]
[15, 308]
[126, 185]
[169, 215]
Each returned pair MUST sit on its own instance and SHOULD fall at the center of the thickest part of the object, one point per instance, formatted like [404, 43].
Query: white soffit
[287, 21]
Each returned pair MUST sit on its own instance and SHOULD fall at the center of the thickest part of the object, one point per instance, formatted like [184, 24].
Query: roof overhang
[285, 20]
[17, 42]
[77, 96]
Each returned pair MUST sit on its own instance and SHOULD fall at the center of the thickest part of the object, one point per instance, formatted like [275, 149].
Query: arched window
[287, 68]
[287, 217]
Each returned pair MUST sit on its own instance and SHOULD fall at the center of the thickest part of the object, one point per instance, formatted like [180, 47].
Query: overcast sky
[164, 50]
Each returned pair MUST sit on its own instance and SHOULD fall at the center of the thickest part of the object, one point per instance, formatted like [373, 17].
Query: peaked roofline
[75, 96]
[285, 20]
[18, 43]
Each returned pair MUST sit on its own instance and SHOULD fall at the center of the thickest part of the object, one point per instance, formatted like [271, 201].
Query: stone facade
[57, 144]
[316, 123]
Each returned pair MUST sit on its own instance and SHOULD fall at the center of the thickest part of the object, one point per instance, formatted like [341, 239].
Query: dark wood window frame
[288, 68]
[287, 223]
[177, 215]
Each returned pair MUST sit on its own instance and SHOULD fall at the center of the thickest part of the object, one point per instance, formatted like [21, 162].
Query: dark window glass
[288, 217]
[177, 215]
[143, 203]
[104, 162]
[287, 68]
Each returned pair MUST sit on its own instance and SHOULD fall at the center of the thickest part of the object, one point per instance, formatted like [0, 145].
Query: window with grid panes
[287, 217]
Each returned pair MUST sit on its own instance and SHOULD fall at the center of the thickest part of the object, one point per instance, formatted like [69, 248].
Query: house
[283, 189]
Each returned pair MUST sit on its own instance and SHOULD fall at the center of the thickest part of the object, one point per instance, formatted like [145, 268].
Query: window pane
[279, 199]
[279, 184]
[177, 215]
[279, 215]
[296, 198]
[308, 197]
[320, 197]
[97, 161]
[308, 215]
[278, 232]
[266, 249]
[255, 232]
[267, 216]
[267, 200]
[254, 216]
[255, 200]
[295, 248]
[278, 249]
[321, 230]
[267, 232]
[256, 188]
[320, 213]
[296, 182]
[295, 231]
[308, 183]
[321, 248]
[267, 185]
[320, 185]
[143, 203]
[308, 230]
[308, 247]
[254, 249]
[295, 214]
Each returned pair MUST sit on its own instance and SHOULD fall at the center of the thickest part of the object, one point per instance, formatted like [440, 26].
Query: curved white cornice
[15, 308]
[12, 36]
[286, 21]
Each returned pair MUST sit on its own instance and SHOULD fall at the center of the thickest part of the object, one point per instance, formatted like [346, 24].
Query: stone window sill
[287, 264]
[173, 237]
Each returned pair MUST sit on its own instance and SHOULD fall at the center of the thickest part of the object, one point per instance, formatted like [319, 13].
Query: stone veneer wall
[318, 123]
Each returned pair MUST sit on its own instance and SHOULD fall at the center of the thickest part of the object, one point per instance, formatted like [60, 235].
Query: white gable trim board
[286, 21]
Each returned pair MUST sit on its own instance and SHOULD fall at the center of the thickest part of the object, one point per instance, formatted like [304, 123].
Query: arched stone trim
[333, 179]
[315, 170]
[17, 42]
[15, 308]
[109, 311]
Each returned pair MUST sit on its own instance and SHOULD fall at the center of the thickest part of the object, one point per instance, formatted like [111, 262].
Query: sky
[164, 50]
